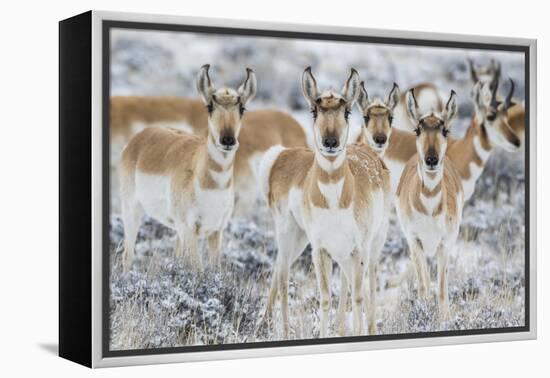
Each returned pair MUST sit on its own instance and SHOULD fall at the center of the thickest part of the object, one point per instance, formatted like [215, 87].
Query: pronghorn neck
[477, 137]
[429, 180]
[430, 195]
[216, 172]
[330, 169]
[329, 184]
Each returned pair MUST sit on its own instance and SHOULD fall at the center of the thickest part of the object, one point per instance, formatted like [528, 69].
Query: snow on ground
[163, 302]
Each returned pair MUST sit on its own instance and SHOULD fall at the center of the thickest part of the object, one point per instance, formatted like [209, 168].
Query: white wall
[28, 204]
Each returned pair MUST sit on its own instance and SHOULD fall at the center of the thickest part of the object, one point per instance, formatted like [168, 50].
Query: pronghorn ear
[393, 97]
[363, 97]
[473, 73]
[204, 84]
[309, 87]
[412, 106]
[451, 108]
[248, 89]
[351, 88]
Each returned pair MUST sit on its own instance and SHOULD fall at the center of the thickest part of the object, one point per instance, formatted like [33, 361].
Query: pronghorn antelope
[429, 197]
[337, 197]
[491, 74]
[489, 127]
[186, 181]
[260, 130]
[377, 117]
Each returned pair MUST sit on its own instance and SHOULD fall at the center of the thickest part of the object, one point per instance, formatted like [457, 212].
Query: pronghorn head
[484, 74]
[431, 130]
[492, 114]
[378, 117]
[330, 111]
[225, 107]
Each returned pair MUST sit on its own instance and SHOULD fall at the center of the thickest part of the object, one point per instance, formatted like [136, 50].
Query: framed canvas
[235, 189]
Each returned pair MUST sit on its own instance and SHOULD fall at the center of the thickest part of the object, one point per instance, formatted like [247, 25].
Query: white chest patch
[429, 230]
[221, 178]
[211, 210]
[334, 230]
[153, 192]
[430, 203]
[332, 192]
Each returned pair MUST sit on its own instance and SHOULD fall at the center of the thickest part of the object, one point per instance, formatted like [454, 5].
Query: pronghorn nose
[330, 142]
[432, 160]
[380, 139]
[228, 140]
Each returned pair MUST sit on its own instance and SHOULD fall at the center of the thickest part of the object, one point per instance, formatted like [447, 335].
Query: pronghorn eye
[346, 114]
[417, 131]
[242, 109]
[390, 119]
[314, 112]
[367, 119]
[445, 132]
[210, 108]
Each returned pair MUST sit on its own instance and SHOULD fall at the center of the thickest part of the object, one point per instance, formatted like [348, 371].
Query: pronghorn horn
[508, 101]
[493, 86]
[473, 74]
[412, 106]
[496, 67]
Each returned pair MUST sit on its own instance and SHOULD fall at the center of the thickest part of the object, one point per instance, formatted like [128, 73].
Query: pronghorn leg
[291, 242]
[214, 248]
[419, 260]
[188, 246]
[132, 213]
[342, 305]
[323, 268]
[442, 277]
[372, 270]
[371, 298]
[267, 313]
[357, 293]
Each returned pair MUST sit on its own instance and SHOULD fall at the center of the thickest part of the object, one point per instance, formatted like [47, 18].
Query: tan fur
[462, 151]
[401, 145]
[125, 111]
[516, 119]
